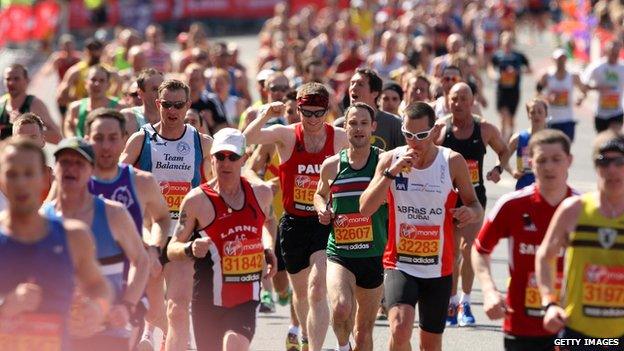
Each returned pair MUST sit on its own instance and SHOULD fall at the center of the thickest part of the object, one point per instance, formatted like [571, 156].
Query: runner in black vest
[469, 135]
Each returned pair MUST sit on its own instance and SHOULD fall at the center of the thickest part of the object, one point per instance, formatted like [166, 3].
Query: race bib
[174, 192]
[560, 98]
[28, 332]
[532, 298]
[508, 77]
[603, 291]
[609, 101]
[419, 244]
[303, 191]
[353, 231]
[242, 261]
[473, 169]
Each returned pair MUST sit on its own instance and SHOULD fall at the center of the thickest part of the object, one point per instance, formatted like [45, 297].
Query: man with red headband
[302, 147]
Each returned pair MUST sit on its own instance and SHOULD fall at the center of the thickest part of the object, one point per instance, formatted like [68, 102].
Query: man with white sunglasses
[420, 182]
[469, 135]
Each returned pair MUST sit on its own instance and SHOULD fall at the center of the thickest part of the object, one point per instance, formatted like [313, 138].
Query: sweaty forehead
[173, 95]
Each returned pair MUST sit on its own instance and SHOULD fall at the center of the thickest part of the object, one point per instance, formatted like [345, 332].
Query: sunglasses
[417, 136]
[133, 94]
[604, 162]
[221, 156]
[169, 104]
[276, 88]
[308, 113]
[453, 79]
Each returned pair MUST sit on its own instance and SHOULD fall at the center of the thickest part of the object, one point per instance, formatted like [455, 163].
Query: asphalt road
[486, 335]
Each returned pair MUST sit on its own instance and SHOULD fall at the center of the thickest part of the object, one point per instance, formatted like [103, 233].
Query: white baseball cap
[264, 75]
[229, 139]
[558, 53]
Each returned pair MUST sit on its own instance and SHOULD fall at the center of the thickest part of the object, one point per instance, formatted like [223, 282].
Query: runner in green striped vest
[356, 242]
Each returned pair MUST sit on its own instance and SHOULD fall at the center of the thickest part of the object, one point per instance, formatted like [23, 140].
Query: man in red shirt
[523, 217]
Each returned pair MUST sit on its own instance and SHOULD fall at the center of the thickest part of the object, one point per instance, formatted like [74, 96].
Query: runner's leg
[318, 316]
[340, 290]
[179, 281]
[235, 342]
[299, 282]
[367, 302]
[401, 318]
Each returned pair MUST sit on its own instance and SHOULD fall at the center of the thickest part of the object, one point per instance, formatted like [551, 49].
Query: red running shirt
[522, 217]
[299, 175]
[233, 266]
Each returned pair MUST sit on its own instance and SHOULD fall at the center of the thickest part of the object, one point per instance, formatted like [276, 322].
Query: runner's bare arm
[495, 140]
[576, 80]
[86, 268]
[189, 212]
[126, 235]
[69, 123]
[265, 196]
[321, 197]
[341, 140]
[513, 144]
[377, 191]
[562, 223]
[155, 207]
[51, 133]
[62, 96]
[132, 151]
[493, 301]
[471, 211]
[255, 134]
[206, 145]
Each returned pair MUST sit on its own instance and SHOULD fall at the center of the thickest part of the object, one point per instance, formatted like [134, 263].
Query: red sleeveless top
[299, 175]
[232, 270]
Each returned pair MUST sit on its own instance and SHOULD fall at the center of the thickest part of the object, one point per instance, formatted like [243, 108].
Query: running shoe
[292, 342]
[284, 300]
[464, 315]
[266, 302]
[451, 317]
[304, 344]
[382, 314]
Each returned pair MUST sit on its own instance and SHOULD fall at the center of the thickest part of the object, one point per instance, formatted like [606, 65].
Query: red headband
[313, 100]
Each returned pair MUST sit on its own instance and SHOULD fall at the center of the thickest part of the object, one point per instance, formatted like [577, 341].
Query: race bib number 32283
[419, 244]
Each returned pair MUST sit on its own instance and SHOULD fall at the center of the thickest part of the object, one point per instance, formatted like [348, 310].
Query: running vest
[139, 117]
[473, 149]
[5, 120]
[176, 164]
[299, 175]
[272, 171]
[560, 106]
[83, 112]
[232, 270]
[354, 235]
[121, 63]
[522, 160]
[121, 189]
[594, 273]
[420, 233]
[48, 263]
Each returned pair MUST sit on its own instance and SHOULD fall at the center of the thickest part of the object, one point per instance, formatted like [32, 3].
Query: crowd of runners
[353, 189]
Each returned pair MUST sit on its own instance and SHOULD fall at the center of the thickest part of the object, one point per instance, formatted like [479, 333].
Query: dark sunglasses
[604, 162]
[221, 156]
[276, 88]
[453, 79]
[308, 113]
[133, 94]
[169, 104]
[417, 136]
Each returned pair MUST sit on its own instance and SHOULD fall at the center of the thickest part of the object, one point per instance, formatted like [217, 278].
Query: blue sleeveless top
[121, 189]
[528, 177]
[48, 264]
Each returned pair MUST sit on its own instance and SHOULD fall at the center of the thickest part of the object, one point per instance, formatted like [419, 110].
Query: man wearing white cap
[230, 249]
[557, 85]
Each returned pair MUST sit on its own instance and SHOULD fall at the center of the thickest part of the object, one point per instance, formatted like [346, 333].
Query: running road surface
[271, 329]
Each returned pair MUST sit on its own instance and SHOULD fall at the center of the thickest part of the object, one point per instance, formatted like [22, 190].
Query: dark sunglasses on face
[169, 104]
[221, 156]
[308, 113]
[276, 88]
[133, 94]
[417, 136]
[453, 79]
[604, 162]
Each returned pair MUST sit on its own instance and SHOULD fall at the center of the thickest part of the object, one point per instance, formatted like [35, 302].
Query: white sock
[465, 298]
[293, 330]
[454, 300]
[346, 347]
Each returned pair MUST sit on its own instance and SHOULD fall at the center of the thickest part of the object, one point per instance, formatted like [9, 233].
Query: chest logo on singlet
[606, 237]
[183, 148]
[123, 195]
[401, 183]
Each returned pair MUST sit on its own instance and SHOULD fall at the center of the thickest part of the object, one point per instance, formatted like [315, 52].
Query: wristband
[549, 305]
[499, 168]
[188, 250]
[386, 173]
[267, 254]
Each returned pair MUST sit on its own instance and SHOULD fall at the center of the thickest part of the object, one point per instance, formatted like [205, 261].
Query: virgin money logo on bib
[302, 181]
[594, 273]
[341, 221]
[233, 248]
[164, 187]
[183, 148]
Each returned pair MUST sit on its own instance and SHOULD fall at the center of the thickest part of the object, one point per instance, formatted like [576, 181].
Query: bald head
[461, 100]
[454, 43]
